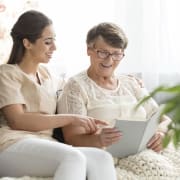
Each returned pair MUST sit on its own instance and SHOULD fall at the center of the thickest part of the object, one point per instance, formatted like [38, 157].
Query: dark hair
[111, 34]
[29, 25]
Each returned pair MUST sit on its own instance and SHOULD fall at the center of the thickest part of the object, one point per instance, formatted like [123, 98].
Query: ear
[89, 51]
[26, 43]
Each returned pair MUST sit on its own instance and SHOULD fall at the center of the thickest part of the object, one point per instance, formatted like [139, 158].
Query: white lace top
[82, 95]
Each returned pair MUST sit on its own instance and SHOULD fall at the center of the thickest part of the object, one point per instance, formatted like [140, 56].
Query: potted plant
[171, 105]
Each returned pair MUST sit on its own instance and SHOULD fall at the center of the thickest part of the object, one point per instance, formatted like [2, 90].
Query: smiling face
[104, 58]
[41, 51]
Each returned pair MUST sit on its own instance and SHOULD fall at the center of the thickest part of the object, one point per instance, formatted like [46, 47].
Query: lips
[49, 55]
[106, 66]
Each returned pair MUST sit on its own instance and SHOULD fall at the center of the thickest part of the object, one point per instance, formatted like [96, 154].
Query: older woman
[98, 92]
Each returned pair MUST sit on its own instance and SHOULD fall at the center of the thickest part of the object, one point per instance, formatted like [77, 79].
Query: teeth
[107, 66]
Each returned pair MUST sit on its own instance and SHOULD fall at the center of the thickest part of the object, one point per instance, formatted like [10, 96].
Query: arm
[74, 100]
[20, 120]
[151, 106]
[15, 100]
[155, 142]
[104, 137]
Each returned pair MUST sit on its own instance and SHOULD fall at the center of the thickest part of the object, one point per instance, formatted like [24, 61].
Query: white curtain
[152, 27]
[72, 20]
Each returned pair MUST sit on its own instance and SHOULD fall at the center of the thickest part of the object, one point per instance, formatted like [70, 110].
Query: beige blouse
[82, 95]
[16, 87]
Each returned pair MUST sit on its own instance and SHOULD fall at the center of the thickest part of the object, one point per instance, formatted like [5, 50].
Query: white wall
[152, 28]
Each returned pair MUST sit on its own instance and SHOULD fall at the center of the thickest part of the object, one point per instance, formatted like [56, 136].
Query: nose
[53, 47]
[110, 57]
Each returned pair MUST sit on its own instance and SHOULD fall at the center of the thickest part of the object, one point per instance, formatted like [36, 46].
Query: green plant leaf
[166, 140]
[172, 105]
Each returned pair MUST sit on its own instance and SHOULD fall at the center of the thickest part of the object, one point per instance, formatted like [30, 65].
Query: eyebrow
[49, 38]
[115, 52]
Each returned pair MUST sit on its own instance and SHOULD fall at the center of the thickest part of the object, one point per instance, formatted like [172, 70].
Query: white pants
[44, 158]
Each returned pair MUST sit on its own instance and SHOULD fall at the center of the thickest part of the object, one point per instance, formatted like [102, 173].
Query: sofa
[128, 168]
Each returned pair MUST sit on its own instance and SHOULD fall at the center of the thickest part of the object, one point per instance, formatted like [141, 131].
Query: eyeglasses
[102, 54]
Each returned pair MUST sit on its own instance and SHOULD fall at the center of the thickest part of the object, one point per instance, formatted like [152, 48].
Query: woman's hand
[155, 142]
[90, 124]
[108, 136]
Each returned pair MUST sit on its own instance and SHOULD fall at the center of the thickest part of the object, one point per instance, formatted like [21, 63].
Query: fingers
[156, 142]
[110, 130]
[110, 141]
[89, 124]
[109, 136]
[112, 138]
[100, 122]
[92, 125]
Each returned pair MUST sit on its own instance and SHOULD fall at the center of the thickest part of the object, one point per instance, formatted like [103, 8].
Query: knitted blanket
[149, 165]
[146, 165]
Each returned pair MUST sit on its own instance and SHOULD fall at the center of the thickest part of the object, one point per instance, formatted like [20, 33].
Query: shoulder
[7, 68]
[78, 78]
[130, 80]
[10, 72]
[77, 82]
[11, 85]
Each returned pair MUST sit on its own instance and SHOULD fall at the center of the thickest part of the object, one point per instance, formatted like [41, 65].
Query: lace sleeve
[139, 92]
[72, 99]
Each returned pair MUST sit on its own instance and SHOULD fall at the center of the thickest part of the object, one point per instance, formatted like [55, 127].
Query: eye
[103, 54]
[48, 42]
[118, 55]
